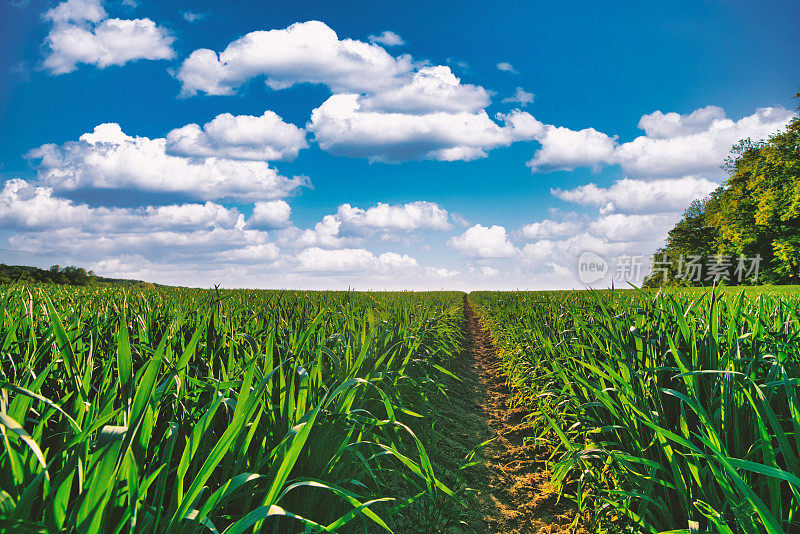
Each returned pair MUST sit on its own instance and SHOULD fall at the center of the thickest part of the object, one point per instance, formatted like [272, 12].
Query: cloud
[165, 247]
[399, 262]
[674, 145]
[30, 207]
[520, 96]
[245, 137]
[311, 52]
[412, 216]
[658, 125]
[186, 216]
[483, 242]
[489, 272]
[440, 272]
[618, 227]
[506, 67]
[324, 234]
[76, 11]
[565, 149]
[384, 108]
[108, 158]
[264, 252]
[431, 89]
[634, 218]
[271, 214]
[191, 16]
[548, 229]
[305, 52]
[204, 243]
[27, 206]
[350, 225]
[556, 247]
[639, 196]
[342, 128]
[484, 271]
[82, 33]
[677, 145]
[387, 38]
[547, 253]
[20, 70]
[197, 239]
[185, 234]
[207, 243]
[352, 260]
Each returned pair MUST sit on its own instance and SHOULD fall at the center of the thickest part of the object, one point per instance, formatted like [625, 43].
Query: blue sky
[471, 146]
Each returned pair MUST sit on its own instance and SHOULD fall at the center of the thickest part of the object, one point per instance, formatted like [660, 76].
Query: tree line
[70, 275]
[56, 274]
[748, 230]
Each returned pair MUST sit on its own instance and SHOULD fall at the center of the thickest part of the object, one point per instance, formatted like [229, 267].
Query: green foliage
[176, 410]
[71, 275]
[757, 213]
[670, 412]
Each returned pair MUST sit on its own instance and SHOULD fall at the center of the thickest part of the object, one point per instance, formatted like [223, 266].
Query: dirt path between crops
[513, 495]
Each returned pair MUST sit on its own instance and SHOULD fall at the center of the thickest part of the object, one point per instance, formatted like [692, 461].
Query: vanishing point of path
[513, 494]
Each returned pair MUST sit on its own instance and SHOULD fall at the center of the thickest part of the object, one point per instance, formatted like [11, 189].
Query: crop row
[176, 410]
[664, 412]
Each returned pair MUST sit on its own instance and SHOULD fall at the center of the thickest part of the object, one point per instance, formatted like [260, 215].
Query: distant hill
[71, 275]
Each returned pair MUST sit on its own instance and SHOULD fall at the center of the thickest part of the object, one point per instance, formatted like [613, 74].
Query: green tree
[755, 214]
[692, 236]
[760, 209]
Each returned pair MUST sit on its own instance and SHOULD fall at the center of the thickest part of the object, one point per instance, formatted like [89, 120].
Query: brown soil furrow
[516, 496]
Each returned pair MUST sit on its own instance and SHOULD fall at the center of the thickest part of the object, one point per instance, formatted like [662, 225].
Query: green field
[170, 410]
[183, 410]
[664, 412]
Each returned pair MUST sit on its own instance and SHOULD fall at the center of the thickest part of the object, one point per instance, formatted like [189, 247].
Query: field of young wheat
[664, 412]
[183, 410]
[175, 410]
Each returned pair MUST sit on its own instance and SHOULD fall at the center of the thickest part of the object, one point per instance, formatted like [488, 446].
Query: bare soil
[513, 494]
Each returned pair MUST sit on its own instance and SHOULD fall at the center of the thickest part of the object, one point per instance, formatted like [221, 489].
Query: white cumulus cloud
[693, 144]
[549, 228]
[565, 149]
[187, 235]
[640, 196]
[82, 33]
[108, 158]
[352, 260]
[341, 127]
[247, 137]
[430, 89]
[385, 108]
[350, 225]
[658, 125]
[483, 242]
[419, 215]
[30, 207]
[305, 52]
[270, 214]
[622, 227]
[674, 145]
